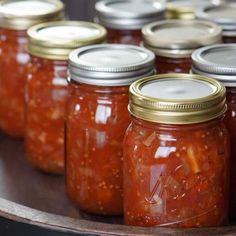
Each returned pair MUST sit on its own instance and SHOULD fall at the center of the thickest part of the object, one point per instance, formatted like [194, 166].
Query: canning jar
[15, 18]
[97, 117]
[176, 153]
[223, 15]
[47, 88]
[173, 42]
[125, 18]
[219, 62]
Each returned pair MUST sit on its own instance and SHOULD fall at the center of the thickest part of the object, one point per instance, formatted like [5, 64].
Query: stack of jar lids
[216, 61]
[223, 14]
[183, 9]
[110, 64]
[179, 38]
[55, 40]
[129, 14]
[36, 11]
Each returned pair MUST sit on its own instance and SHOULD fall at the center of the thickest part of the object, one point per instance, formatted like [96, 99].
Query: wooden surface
[30, 197]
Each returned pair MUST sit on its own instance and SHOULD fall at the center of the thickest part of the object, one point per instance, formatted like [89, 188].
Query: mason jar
[176, 153]
[219, 62]
[15, 18]
[125, 18]
[97, 117]
[47, 88]
[173, 42]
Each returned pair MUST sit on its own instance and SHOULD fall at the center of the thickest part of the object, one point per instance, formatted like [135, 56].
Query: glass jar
[176, 153]
[47, 88]
[97, 118]
[125, 18]
[173, 50]
[224, 15]
[15, 18]
[219, 62]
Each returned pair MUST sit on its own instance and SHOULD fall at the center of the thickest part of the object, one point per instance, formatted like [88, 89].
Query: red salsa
[97, 118]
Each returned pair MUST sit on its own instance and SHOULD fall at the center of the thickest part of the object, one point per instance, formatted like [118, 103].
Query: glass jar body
[230, 121]
[97, 118]
[133, 37]
[13, 73]
[46, 96]
[172, 65]
[229, 39]
[176, 175]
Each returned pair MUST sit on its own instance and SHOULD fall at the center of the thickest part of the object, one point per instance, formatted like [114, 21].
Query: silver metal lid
[110, 64]
[223, 14]
[178, 38]
[217, 61]
[129, 14]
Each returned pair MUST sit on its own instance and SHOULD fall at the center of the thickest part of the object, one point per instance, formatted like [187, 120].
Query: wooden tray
[30, 197]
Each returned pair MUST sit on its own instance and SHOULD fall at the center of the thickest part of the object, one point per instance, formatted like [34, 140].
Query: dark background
[80, 9]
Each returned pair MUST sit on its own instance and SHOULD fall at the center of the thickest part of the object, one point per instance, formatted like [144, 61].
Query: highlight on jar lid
[223, 14]
[179, 38]
[129, 14]
[21, 14]
[55, 40]
[110, 64]
[177, 99]
[183, 9]
[217, 61]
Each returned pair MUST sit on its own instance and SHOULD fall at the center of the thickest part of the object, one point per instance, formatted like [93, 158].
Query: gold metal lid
[179, 38]
[129, 14]
[21, 14]
[55, 40]
[186, 9]
[180, 10]
[177, 99]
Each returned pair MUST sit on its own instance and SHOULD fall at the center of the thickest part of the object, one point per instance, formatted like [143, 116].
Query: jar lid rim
[227, 23]
[177, 111]
[160, 34]
[12, 20]
[83, 63]
[208, 59]
[118, 19]
[46, 41]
